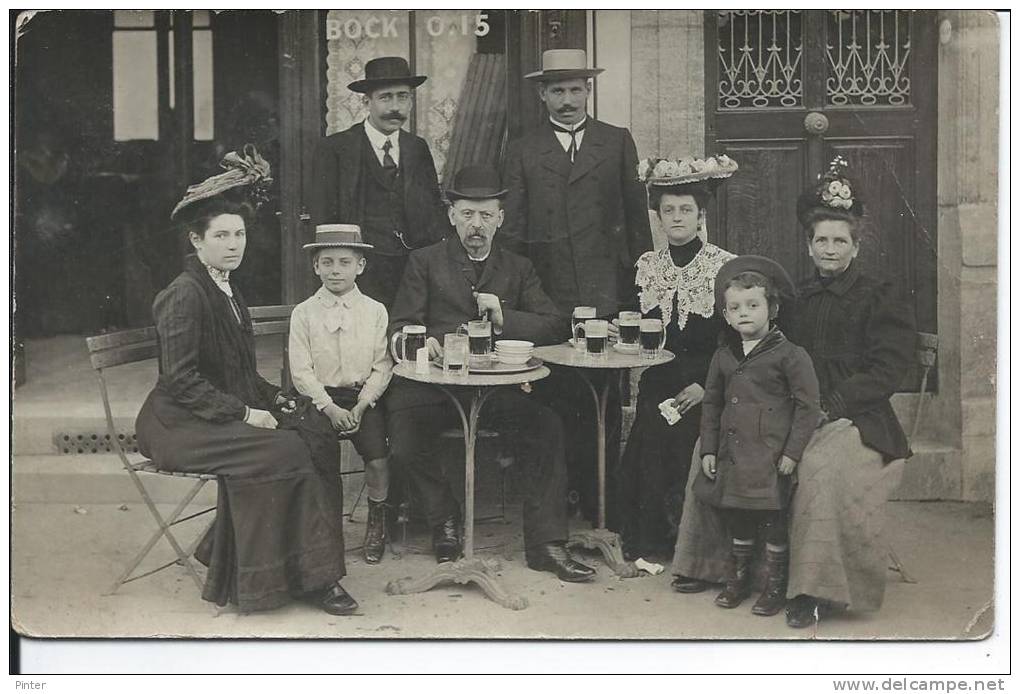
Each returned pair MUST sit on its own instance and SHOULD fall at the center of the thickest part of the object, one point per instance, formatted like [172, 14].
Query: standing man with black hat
[576, 209]
[383, 178]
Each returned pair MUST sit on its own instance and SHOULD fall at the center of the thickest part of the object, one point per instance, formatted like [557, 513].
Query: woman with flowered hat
[859, 333]
[675, 284]
[277, 533]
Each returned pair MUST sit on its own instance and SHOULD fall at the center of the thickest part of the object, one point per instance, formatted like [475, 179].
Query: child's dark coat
[756, 409]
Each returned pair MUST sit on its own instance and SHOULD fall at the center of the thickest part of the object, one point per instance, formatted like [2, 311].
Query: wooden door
[787, 90]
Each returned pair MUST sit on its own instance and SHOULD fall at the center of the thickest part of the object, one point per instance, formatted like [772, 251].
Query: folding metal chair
[118, 349]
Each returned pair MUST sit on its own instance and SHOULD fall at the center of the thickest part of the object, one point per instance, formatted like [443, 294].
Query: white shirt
[564, 138]
[339, 342]
[750, 345]
[378, 139]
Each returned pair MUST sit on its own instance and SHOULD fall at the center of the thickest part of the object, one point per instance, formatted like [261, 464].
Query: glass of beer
[630, 328]
[581, 314]
[596, 337]
[410, 339]
[479, 334]
[653, 337]
[455, 354]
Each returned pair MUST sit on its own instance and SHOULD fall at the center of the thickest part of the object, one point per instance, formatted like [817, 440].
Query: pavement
[66, 556]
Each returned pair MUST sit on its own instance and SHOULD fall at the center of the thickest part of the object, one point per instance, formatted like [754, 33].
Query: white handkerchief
[670, 413]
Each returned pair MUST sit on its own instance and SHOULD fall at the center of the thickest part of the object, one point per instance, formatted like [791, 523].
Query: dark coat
[339, 174]
[861, 337]
[583, 225]
[436, 292]
[756, 409]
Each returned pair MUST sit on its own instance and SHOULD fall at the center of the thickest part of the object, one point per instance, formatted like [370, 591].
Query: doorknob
[816, 123]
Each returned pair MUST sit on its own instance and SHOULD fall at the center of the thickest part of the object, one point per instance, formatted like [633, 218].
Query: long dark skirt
[277, 532]
[651, 478]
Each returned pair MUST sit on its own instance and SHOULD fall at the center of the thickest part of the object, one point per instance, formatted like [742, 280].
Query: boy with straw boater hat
[338, 358]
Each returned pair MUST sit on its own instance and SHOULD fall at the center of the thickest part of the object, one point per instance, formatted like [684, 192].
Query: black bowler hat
[477, 182]
[381, 72]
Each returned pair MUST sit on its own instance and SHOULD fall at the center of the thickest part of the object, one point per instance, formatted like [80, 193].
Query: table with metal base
[614, 363]
[468, 569]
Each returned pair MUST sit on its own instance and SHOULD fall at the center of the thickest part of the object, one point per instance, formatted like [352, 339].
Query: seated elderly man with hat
[444, 286]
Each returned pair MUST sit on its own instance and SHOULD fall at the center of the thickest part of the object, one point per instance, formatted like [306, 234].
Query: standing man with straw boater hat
[576, 209]
[382, 178]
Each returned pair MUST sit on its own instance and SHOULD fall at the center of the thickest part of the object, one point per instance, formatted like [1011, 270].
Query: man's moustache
[395, 116]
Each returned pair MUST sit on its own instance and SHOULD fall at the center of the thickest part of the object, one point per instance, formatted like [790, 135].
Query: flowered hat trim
[245, 169]
[656, 171]
[834, 188]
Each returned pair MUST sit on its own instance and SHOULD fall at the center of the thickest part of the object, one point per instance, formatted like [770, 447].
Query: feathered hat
[247, 169]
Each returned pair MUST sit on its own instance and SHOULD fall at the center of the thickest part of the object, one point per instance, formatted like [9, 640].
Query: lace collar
[660, 281]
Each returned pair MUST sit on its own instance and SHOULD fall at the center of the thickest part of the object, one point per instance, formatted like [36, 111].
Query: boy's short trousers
[370, 439]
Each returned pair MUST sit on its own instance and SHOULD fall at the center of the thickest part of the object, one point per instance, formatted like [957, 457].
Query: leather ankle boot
[375, 531]
[773, 598]
[738, 582]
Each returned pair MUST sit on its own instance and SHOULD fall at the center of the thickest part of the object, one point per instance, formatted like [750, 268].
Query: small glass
[630, 328]
[580, 315]
[455, 355]
[596, 338]
[653, 338]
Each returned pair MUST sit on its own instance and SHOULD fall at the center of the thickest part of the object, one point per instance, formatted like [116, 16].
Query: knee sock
[377, 479]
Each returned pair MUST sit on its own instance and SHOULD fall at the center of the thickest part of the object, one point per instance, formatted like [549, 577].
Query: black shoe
[686, 584]
[773, 598]
[553, 556]
[738, 581]
[375, 531]
[337, 601]
[446, 541]
[802, 612]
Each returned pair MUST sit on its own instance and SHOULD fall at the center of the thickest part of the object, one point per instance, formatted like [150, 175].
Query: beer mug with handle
[653, 337]
[580, 315]
[410, 339]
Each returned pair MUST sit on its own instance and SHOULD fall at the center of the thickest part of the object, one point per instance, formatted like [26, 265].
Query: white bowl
[513, 359]
[514, 345]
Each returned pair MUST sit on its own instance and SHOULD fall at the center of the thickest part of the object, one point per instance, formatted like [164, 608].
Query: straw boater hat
[754, 263]
[337, 236]
[475, 183]
[382, 72]
[563, 64]
[834, 194]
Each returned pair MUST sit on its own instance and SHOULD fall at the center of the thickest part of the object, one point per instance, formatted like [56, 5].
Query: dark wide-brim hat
[563, 64]
[337, 236]
[476, 183]
[753, 263]
[386, 71]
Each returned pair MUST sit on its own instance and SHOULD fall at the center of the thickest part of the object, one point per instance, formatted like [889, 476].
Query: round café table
[615, 363]
[467, 569]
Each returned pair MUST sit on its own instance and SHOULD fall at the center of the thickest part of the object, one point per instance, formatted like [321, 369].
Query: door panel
[787, 90]
[760, 203]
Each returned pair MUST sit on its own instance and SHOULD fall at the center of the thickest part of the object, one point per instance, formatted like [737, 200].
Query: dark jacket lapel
[491, 268]
[592, 150]
[551, 153]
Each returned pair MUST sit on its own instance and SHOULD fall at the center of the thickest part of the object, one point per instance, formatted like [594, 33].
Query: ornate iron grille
[868, 53]
[760, 59]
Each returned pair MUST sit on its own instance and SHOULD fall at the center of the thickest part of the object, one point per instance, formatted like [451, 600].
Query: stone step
[935, 472]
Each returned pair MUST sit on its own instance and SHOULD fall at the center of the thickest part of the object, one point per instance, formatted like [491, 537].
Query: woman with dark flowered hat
[277, 534]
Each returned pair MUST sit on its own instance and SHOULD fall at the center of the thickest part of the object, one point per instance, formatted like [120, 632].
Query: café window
[461, 109]
[137, 82]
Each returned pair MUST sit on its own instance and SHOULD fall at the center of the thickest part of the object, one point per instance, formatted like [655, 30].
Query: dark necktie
[572, 150]
[387, 160]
